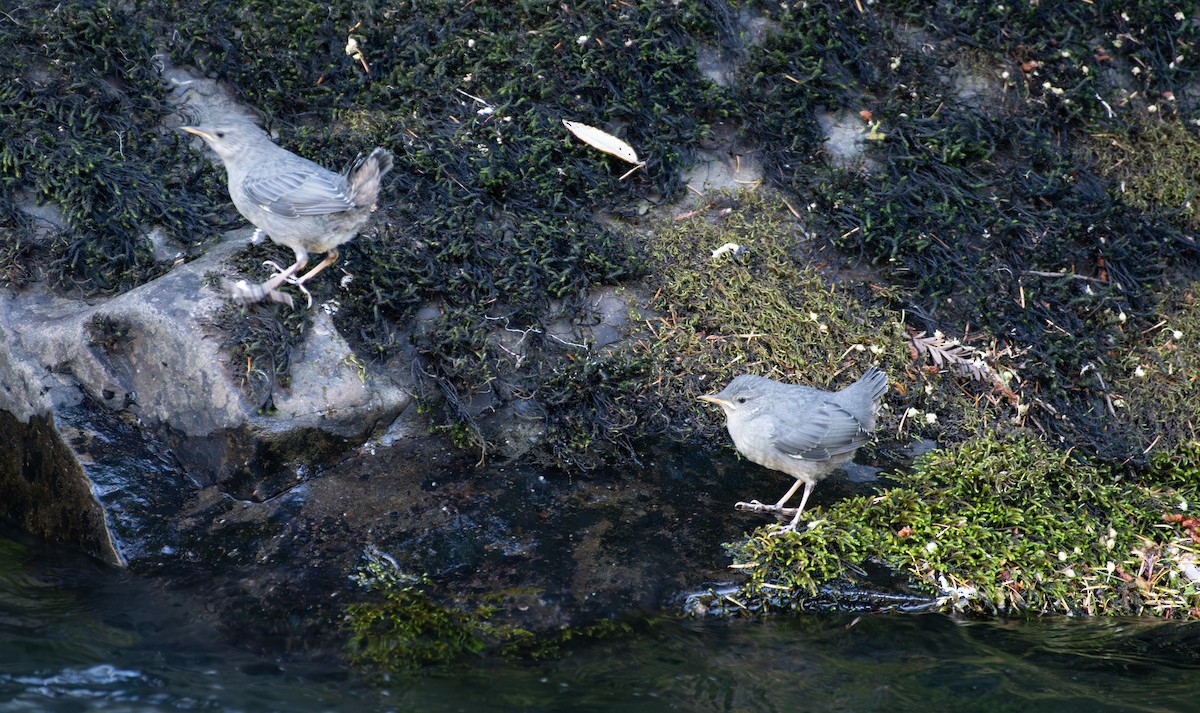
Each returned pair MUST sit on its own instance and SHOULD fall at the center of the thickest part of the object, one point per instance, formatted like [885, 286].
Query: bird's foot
[756, 506]
[291, 278]
[790, 527]
[243, 292]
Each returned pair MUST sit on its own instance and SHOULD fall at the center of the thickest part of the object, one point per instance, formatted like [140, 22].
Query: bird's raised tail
[860, 397]
[366, 174]
[873, 381]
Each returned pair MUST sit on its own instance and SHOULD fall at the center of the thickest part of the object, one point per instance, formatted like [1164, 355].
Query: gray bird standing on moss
[804, 432]
[293, 200]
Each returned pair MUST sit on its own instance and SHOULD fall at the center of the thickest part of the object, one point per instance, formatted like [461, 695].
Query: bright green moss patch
[403, 626]
[404, 629]
[1153, 166]
[766, 310]
[1000, 524]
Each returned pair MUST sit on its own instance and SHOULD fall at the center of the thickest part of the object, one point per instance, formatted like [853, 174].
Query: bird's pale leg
[792, 491]
[330, 258]
[791, 526]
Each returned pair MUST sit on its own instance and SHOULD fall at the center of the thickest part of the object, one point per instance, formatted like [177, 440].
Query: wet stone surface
[560, 550]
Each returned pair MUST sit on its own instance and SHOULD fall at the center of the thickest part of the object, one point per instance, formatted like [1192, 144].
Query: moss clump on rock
[999, 524]
[259, 339]
[405, 629]
[402, 625]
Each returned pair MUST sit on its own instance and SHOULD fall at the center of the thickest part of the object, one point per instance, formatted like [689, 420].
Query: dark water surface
[76, 636]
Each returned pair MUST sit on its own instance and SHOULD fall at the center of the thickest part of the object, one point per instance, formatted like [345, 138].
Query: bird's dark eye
[741, 399]
[220, 134]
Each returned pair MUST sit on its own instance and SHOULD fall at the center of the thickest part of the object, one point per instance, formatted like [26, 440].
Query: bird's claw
[790, 527]
[290, 279]
[243, 292]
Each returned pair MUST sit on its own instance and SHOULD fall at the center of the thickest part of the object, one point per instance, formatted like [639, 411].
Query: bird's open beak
[712, 399]
[197, 132]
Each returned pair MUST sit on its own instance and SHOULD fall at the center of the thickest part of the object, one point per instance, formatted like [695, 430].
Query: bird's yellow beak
[193, 130]
[712, 399]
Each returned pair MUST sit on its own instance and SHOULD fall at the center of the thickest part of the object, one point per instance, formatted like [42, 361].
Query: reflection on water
[75, 636]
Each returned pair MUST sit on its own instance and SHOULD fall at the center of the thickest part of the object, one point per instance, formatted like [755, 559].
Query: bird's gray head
[742, 396]
[229, 139]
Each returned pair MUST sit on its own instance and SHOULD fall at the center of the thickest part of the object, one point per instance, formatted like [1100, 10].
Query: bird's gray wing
[819, 432]
[302, 191]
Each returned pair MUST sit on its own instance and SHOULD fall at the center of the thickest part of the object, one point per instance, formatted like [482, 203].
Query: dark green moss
[81, 115]
[107, 333]
[596, 399]
[986, 217]
[1079, 61]
[259, 339]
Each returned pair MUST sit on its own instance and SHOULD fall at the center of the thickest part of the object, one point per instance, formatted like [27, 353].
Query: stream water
[77, 636]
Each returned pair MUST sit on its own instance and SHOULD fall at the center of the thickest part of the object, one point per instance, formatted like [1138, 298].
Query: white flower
[582, 40]
[931, 417]
[931, 546]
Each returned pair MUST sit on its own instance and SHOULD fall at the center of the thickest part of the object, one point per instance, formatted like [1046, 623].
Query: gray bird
[293, 200]
[804, 432]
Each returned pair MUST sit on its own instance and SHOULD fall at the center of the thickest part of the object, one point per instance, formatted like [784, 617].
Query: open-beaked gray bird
[804, 432]
[292, 200]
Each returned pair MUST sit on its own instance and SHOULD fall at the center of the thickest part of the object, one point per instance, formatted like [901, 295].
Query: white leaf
[603, 141]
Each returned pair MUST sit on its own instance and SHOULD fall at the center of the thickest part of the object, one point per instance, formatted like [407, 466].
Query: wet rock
[150, 357]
